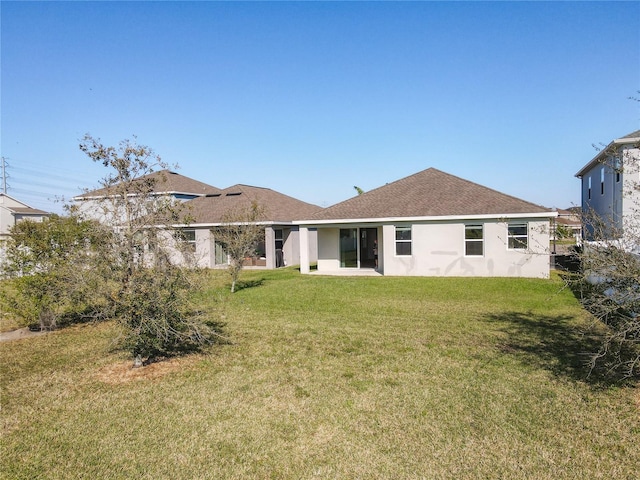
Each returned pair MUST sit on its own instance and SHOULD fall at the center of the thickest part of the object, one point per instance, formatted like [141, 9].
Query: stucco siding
[6, 221]
[328, 249]
[631, 178]
[204, 255]
[438, 249]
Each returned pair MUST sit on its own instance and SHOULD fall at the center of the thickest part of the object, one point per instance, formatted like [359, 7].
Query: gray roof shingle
[166, 181]
[635, 134]
[430, 193]
[27, 211]
[278, 207]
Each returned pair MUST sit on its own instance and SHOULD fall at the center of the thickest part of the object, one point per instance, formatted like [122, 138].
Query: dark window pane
[473, 232]
[473, 248]
[403, 233]
[517, 229]
[520, 242]
[403, 248]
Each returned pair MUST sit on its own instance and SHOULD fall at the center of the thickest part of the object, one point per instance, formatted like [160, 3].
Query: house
[280, 243]
[163, 184]
[611, 193]
[431, 224]
[567, 225]
[12, 211]
[207, 207]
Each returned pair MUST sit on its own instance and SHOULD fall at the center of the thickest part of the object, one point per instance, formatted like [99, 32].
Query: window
[278, 234]
[188, 238]
[518, 236]
[473, 240]
[221, 257]
[589, 188]
[403, 241]
[602, 181]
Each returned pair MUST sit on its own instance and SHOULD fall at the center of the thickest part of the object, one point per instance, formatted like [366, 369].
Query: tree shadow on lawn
[243, 284]
[554, 343]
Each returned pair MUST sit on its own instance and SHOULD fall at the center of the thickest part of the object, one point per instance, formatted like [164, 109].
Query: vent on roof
[234, 194]
[208, 195]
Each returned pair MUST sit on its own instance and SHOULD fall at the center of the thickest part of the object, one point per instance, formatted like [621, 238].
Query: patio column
[305, 267]
[270, 247]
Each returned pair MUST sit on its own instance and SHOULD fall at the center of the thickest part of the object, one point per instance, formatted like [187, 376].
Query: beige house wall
[438, 249]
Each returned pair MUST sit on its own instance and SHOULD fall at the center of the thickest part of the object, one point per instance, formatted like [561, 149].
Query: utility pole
[3, 165]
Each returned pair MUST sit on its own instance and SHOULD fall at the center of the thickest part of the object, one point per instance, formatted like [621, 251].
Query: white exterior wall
[328, 249]
[621, 199]
[292, 246]
[205, 253]
[607, 205]
[438, 250]
[6, 221]
[631, 183]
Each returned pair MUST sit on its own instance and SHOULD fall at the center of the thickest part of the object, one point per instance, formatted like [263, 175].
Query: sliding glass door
[349, 248]
[358, 247]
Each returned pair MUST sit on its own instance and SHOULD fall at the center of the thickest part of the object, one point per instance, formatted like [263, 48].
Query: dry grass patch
[124, 372]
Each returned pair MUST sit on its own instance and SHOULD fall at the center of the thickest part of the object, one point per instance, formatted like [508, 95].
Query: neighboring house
[569, 221]
[13, 211]
[611, 192]
[431, 224]
[207, 206]
[167, 184]
[280, 243]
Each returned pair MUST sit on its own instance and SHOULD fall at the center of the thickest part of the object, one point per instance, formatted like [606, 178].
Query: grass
[332, 378]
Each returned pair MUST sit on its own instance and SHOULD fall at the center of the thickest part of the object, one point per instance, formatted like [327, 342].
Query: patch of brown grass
[124, 372]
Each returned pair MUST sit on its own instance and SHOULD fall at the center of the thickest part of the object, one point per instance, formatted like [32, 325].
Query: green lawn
[332, 378]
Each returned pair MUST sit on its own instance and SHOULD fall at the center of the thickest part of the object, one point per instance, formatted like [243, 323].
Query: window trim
[409, 241]
[515, 237]
[468, 241]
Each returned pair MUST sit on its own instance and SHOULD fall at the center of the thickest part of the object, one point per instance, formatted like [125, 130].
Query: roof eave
[219, 224]
[549, 214]
[596, 159]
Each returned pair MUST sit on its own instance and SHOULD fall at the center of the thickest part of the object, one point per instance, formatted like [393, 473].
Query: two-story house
[611, 193]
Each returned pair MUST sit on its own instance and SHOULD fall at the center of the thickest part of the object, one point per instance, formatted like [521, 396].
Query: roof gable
[429, 193]
[17, 207]
[278, 207]
[629, 139]
[166, 182]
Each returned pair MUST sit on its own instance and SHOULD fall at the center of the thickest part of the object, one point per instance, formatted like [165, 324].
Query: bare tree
[609, 281]
[239, 234]
[151, 285]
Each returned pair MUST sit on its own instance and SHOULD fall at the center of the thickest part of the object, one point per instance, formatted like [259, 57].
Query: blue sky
[312, 98]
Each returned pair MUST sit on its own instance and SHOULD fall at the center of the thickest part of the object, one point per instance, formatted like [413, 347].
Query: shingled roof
[166, 182]
[16, 206]
[635, 134]
[430, 193]
[27, 211]
[279, 207]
